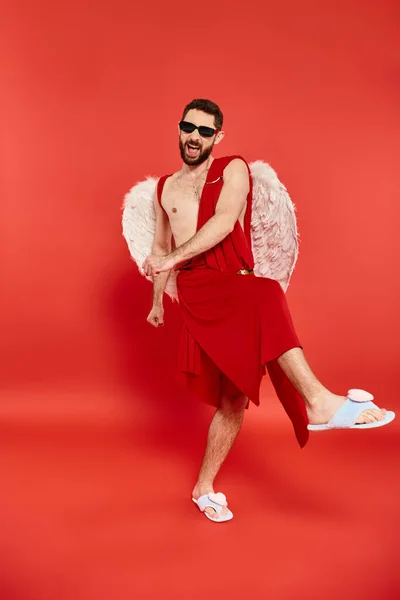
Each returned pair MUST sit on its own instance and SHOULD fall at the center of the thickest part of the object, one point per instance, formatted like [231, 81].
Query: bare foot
[201, 491]
[324, 407]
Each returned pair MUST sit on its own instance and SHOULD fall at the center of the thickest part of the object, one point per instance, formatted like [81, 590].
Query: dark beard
[193, 162]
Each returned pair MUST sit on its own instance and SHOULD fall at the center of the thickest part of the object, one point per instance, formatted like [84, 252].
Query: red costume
[235, 326]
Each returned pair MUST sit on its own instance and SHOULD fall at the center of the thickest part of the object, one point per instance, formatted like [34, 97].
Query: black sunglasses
[205, 132]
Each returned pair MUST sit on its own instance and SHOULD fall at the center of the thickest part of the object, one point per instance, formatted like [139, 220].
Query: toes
[363, 418]
[379, 414]
[366, 417]
[213, 513]
[371, 416]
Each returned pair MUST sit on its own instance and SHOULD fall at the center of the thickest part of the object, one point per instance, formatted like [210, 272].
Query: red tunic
[234, 325]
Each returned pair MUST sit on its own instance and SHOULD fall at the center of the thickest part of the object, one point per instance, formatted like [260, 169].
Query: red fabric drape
[234, 325]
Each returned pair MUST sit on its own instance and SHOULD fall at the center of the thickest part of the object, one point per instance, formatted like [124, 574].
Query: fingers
[158, 322]
[153, 271]
[147, 267]
[153, 266]
[150, 271]
[155, 321]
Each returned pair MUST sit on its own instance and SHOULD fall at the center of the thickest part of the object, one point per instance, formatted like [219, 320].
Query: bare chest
[181, 201]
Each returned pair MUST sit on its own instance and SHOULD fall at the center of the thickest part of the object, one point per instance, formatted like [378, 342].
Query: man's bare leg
[320, 403]
[221, 435]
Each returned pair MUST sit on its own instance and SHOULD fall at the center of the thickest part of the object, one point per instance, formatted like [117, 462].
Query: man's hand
[156, 316]
[153, 265]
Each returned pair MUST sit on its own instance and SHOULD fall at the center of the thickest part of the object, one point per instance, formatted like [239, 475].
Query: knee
[233, 404]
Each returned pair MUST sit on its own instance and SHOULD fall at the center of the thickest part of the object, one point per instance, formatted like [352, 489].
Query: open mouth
[192, 151]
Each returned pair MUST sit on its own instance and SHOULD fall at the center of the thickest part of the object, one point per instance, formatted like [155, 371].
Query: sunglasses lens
[206, 131]
[190, 127]
[187, 127]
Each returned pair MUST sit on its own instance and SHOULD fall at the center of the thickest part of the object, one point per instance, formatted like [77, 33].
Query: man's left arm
[230, 204]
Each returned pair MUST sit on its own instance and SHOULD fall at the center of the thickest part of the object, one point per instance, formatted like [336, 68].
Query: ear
[219, 137]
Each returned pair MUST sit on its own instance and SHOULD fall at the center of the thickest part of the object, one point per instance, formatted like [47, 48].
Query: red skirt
[235, 327]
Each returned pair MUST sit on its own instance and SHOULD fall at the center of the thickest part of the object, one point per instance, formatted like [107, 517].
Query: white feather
[274, 233]
[138, 227]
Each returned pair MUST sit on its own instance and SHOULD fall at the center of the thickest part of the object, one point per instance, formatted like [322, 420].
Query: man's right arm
[161, 247]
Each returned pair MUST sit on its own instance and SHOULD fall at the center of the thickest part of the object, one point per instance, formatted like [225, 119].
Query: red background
[90, 97]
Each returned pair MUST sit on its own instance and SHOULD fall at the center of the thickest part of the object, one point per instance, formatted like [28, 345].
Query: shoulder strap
[218, 168]
[160, 187]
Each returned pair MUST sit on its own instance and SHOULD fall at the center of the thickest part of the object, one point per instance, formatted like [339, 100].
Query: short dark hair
[208, 107]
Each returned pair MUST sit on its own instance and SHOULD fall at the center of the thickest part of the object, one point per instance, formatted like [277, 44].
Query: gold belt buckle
[244, 272]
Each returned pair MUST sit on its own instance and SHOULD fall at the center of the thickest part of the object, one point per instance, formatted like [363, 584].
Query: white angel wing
[138, 227]
[273, 226]
[274, 232]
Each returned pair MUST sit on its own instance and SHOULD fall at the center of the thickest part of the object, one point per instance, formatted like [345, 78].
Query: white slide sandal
[357, 402]
[217, 502]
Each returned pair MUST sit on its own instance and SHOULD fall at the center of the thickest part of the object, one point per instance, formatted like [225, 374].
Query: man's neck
[197, 170]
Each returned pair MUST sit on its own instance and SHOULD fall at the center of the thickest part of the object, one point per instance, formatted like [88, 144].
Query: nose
[195, 136]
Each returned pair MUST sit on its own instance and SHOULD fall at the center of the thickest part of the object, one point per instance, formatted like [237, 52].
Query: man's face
[194, 148]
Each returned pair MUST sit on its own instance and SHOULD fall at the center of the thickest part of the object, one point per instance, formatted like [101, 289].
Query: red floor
[96, 506]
